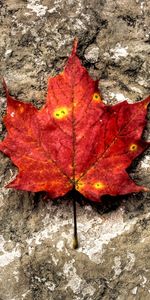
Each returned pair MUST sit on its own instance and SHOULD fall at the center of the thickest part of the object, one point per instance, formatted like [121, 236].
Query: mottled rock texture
[36, 256]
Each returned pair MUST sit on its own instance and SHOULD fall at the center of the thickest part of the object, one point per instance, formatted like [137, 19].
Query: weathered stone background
[36, 256]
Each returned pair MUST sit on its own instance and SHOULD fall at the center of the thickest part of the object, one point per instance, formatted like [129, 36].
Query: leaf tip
[75, 45]
[5, 86]
[147, 102]
[146, 189]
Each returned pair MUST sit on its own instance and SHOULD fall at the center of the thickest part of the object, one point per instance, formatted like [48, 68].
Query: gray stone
[36, 256]
[92, 53]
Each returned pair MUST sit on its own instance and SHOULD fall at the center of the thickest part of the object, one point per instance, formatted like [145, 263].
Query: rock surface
[36, 256]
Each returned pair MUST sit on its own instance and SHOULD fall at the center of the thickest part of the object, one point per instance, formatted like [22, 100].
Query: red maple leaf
[74, 140]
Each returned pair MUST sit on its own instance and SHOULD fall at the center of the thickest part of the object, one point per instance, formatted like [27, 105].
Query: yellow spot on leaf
[133, 147]
[80, 185]
[96, 97]
[60, 113]
[21, 109]
[99, 185]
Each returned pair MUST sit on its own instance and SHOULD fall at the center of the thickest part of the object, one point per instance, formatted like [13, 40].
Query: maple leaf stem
[75, 236]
